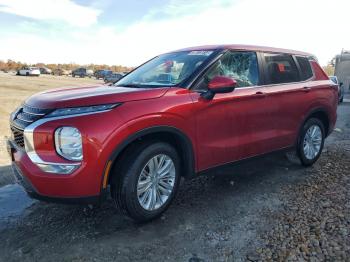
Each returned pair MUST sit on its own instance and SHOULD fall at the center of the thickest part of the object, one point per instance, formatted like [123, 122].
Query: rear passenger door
[288, 91]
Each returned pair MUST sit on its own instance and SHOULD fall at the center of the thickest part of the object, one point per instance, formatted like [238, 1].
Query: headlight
[68, 143]
[15, 113]
[81, 110]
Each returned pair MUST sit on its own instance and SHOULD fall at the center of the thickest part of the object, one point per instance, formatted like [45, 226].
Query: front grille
[17, 135]
[23, 118]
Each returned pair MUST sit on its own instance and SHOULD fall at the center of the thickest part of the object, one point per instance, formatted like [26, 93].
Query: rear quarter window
[305, 68]
[280, 68]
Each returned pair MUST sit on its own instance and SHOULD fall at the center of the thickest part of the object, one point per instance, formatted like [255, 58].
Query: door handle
[260, 94]
[306, 89]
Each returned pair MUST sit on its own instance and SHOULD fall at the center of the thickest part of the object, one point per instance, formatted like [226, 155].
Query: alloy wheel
[312, 142]
[156, 182]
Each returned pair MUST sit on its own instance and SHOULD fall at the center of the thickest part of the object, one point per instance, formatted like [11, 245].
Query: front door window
[241, 66]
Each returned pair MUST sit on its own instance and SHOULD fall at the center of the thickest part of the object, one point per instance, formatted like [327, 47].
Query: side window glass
[305, 67]
[281, 69]
[241, 66]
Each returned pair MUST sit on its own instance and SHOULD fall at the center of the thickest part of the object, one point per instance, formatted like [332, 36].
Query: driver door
[231, 126]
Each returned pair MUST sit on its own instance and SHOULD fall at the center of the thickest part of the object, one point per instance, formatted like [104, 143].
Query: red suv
[177, 115]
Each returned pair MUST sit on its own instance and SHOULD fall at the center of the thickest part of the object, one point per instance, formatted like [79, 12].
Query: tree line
[11, 65]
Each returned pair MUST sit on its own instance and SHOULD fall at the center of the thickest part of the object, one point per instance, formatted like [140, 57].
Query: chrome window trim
[289, 83]
[248, 87]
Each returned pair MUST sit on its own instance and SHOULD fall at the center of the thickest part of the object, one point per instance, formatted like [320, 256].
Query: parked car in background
[101, 74]
[340, 88]
[178, 115]
[61, 72]
[112, 78]
[82, 72]
[45, 71]
[29, 71]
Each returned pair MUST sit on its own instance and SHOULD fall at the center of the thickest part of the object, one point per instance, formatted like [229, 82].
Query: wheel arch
[319, 113]
[169, 134]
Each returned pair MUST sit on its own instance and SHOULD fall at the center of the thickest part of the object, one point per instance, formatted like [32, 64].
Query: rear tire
[311, 141]
[147, 181]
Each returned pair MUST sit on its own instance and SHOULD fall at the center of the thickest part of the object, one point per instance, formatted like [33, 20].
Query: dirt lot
[15, 89]
[271, 209]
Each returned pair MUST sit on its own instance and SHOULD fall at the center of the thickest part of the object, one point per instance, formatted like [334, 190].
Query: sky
[129, 32]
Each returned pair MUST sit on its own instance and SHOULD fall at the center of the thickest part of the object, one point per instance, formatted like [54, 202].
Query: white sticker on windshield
[206, 53]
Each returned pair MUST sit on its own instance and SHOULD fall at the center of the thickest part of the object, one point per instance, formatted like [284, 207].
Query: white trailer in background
[342, 69]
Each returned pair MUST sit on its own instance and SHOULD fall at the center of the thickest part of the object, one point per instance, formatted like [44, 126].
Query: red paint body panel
[91, 95]
[232, 126]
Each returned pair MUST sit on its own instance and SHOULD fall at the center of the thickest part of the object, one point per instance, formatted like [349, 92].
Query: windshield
[166, 70]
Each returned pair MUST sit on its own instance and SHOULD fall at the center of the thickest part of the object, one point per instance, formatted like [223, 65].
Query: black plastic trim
[186, 145]
[90, 200]
[210, 170]
[262, 69]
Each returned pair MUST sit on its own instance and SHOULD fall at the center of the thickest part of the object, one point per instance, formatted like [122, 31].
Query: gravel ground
[270, 209]
[314, 224]
[5, 177]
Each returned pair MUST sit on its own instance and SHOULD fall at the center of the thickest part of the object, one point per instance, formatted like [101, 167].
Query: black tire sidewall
[134, 166]
[312, 121]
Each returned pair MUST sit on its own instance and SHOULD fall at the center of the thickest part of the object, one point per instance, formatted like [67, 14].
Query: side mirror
[341, 83]
[219, 84]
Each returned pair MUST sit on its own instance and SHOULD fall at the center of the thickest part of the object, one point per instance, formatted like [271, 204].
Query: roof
[246, 47]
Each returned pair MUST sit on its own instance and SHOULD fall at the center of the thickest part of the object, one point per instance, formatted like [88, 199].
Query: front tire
[148, 181]
[311, 141]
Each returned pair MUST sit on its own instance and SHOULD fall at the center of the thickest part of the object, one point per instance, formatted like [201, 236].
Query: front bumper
[38, 185]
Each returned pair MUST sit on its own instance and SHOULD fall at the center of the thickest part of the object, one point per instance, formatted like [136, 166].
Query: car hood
[91, 95]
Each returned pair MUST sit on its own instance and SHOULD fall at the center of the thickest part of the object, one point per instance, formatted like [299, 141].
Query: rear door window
[305, 67]
[280, 68]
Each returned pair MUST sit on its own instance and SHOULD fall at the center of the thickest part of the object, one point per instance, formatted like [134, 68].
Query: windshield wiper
[129, 85]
